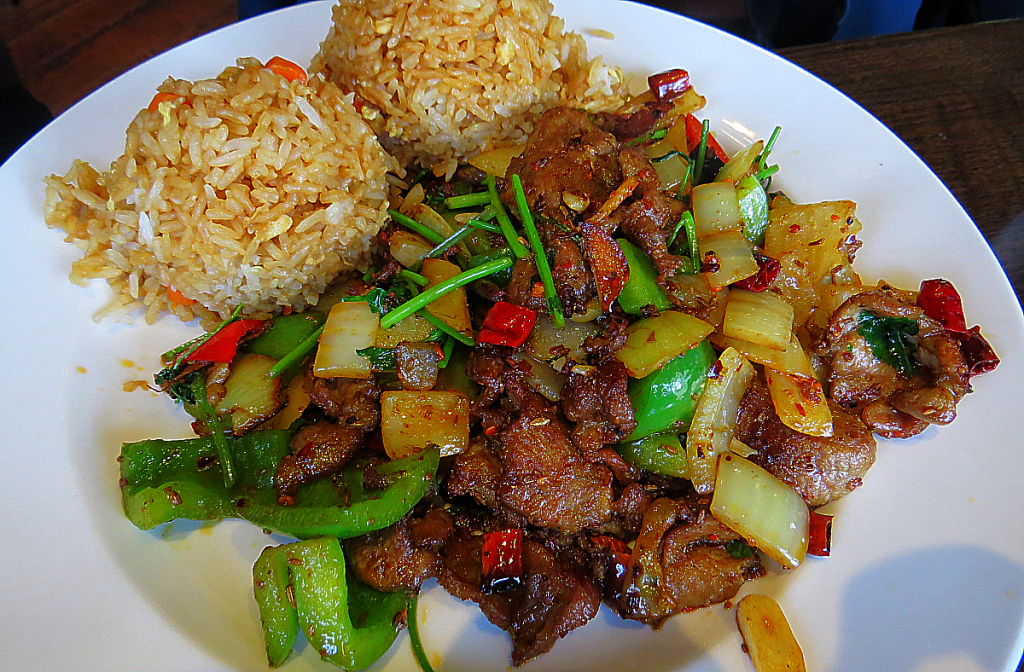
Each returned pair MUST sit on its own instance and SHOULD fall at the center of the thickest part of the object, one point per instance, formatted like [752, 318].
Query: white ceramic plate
[927, 570]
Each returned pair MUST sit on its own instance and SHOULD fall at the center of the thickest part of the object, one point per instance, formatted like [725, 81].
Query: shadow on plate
[948, 586]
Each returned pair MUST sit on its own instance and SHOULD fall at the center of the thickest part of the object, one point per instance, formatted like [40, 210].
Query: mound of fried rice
[453, 78]
[245, 190]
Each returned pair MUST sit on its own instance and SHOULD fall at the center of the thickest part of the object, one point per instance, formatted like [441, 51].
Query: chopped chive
[414, 638]
[445, 327]
[763, 159]
[686, 267]
[468, 200]
[539, 256]
[418, 302]
[691, 239]
[702, 148]
[406, 274]
[453, 239]
[504, 222]
[448, 347]
[687, 178]
[419, 176]
[296, 355]
[666, 157]
[651, 136]
[487, 214]
[410, 223]
[484, 226]
[766, 173]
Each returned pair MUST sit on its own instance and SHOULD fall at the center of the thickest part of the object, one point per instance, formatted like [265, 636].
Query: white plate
[927, 570]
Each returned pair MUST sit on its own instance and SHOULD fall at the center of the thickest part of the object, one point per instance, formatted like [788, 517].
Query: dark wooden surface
[956, 96]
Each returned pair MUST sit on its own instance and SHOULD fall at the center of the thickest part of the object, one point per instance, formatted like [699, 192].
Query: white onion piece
[652, 342]
[761, 508]
[410, 421]
[715, 209]
[350, 326]
[714, 421]
[732, 251]
[758, 317]
[800, 403]
[793, 360]
[767, 635]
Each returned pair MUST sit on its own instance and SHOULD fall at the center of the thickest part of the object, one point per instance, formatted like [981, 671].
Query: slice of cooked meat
[821, 469]
[556, 597]
[520, 286]
[319, 449]
[892, 404]
[630, 507]
[565, 152]
[544, 476]
[679, 562]
[350, 401]
[596, 400]
[388, 560]
[476, 473]
[650, 219]
[461, 574]
[432, 530]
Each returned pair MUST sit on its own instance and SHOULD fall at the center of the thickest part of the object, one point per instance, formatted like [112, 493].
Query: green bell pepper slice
[641, 288]
[166, 480]
[753, 209]
[658, 453]
[666, 399]
[305, 584]
[285, 334]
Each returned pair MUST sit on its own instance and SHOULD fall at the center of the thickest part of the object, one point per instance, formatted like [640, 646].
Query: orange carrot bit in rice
[161, 97]
[620, 194]
[176, 297]
[287, 69]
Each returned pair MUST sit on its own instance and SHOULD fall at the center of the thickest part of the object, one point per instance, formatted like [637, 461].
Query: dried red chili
[767, 270]
[502, 560]
[507, 324]
[940, 301]
[669, 84]
[693, 131]
[820, 535]
[979, 355]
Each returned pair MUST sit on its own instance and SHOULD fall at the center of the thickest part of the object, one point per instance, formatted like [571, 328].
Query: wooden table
[956, 96]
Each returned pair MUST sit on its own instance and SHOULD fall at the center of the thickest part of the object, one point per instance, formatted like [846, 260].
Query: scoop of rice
[245, 190]
[453, 78]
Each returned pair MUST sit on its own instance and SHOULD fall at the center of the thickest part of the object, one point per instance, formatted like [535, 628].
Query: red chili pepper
[767, 270]
[940, 301]
[670, 84]
[507, 324]
[980, 356]
[820, 536]
[693, 131]
[502, 560]
[222, 346]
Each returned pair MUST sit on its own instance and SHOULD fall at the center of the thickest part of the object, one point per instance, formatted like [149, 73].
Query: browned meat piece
[388, 560]
[679, 562]
[565, 152]
[351, 402]
[544, 476]
[821, 469]
[649, 220]
[556, 597]
[417, 365]
[432, 530]
[319, 449]
[630, 507]
[461, 575]
[597, 402]
[892, 404]
[520, 286]
[641, 120]
[476, 473]
[611, 339]
[567, 159]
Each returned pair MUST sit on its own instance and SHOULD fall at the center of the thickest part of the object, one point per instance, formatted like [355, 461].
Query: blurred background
[55, 52]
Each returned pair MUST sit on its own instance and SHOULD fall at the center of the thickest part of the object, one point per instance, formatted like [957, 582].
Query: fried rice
[244, 190]
[453, 78]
